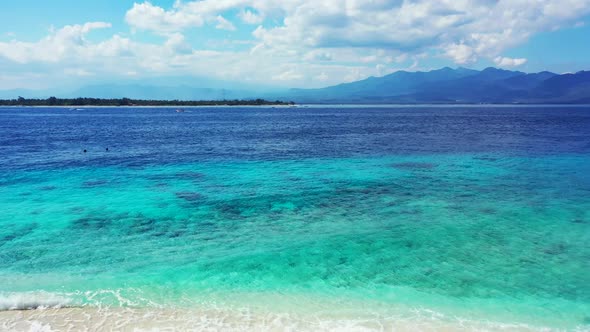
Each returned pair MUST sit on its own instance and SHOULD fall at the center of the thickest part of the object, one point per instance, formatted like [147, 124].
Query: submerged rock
[413, 165]
[48, 188]
[92, 222]
[176, 176]
[189, 196]
[92, 184]
[189, 175]
[556, 249]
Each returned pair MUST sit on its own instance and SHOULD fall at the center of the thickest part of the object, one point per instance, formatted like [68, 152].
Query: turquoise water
[509, 235]
[478, 235]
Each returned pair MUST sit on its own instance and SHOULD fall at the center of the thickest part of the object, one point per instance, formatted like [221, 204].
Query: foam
[199, 319]
[33, 300]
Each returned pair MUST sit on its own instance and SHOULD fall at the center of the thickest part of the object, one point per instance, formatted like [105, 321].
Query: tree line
[53, 101]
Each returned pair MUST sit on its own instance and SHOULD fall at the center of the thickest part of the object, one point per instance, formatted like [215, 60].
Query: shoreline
[217, 319]
[302, 105]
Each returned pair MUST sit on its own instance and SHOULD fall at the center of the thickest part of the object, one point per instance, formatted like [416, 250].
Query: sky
[288, 43]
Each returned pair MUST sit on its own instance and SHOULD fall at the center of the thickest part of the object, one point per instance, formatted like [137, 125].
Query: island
[53, 101]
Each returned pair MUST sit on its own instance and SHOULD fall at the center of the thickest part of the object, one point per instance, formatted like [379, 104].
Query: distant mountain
[154, 92]
[15, 93]
[138, 91]
[527, 81]
[460, 85]
[573, 88]
[153, 88]
[396, 84]
[442, 86]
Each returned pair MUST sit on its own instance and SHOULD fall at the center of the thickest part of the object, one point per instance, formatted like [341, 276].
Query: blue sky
[291, 43]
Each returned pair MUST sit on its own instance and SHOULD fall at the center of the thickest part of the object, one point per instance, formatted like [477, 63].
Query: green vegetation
[53, 101]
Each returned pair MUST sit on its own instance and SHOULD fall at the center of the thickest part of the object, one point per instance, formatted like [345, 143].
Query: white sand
[122, 319]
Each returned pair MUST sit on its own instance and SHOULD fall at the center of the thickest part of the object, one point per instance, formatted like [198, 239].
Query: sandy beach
[126, 319]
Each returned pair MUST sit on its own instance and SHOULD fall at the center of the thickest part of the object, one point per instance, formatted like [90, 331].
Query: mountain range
[456, 86]
[442, 86]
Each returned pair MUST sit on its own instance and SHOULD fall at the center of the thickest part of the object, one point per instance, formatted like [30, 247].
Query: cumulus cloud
[66, 52]
[224, 24]
[289, 75]
[509, 62]
[177, 44]
[250, 17]
[93, 25]
[146, 16]
[65, 42]
[322, 77]
[318, 55]
[303, 42]
[462, 30]
[461, 53]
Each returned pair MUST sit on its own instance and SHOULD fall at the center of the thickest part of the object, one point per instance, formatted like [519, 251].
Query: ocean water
[450, 214]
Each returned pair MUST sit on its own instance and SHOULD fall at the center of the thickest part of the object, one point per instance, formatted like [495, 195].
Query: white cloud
[91, 26]
[250, 17]
[318, 55]
[289, 75]
[509, 62]
[146, 16]
[460, 53]
[177, 44]
[183, 15]
[322, 77]
[77, 72]
[224, 24]
[369, 58]
[66, 52]
[400, 58]
[65, 42]
[461, 30]
[302, 42]
[116, 46]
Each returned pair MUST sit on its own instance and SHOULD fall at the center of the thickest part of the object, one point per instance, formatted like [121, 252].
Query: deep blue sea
[470, 216]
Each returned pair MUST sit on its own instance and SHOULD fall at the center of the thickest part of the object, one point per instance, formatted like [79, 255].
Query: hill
[460, 85]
